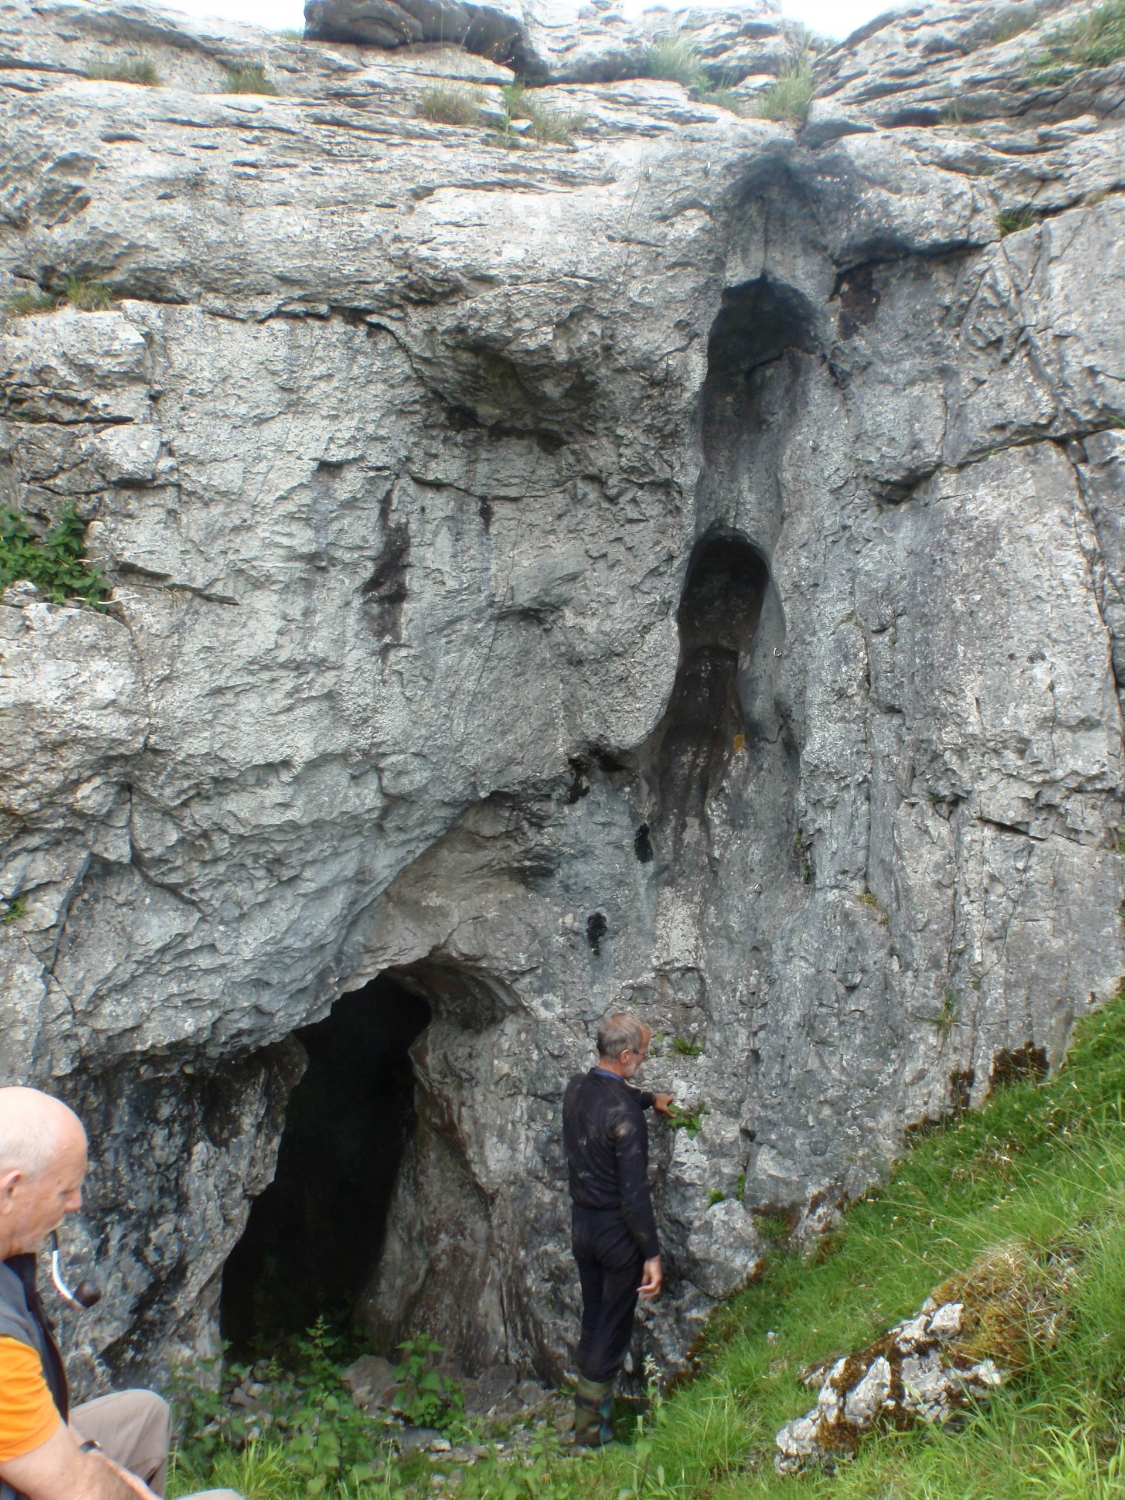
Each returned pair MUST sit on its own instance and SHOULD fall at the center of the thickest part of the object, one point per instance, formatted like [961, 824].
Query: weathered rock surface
[681, 571]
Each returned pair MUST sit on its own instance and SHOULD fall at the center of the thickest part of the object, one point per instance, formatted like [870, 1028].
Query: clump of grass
[1094, 39]
[87, 293]
[291, 34]
[1013, 22]
[250, 78]
[449, 104]
[944, 1020]
[729, 99]
[715, 1195]
[13, 910]
[22, 304]
[1013, 220]
[55, 563]
[674, 58]
[871, 901]
[547, 125]
[687, 1046]
[789, 98]
[126, 70]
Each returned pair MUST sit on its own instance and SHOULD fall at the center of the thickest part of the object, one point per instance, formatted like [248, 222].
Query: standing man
[613, 1232]
[115, 1448]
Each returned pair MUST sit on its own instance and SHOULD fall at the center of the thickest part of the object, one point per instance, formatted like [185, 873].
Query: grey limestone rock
[681, 569]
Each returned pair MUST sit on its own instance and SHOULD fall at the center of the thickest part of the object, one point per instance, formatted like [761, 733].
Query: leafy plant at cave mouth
[1094, 39]
[430, 1399]
[55, 563]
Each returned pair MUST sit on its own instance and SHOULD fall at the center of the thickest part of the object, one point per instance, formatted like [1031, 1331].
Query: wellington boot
[593, 1406]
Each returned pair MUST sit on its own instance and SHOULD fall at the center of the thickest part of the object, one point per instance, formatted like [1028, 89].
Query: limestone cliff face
[680, 571]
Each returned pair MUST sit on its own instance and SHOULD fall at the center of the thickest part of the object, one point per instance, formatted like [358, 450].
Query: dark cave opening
[314, 1235]
[703, 725]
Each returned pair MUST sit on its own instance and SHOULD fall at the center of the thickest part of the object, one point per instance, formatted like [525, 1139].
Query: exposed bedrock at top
[682, 571]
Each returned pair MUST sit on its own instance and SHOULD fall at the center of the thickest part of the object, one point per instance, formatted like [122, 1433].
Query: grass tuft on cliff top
[1094, 39]
[1040, 1166]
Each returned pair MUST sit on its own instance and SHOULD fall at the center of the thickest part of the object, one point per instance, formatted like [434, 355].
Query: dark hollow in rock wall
[314, 1234]
[719, 612]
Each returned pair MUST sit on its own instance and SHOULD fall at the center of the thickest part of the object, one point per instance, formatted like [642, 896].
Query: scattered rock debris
[973, 1332]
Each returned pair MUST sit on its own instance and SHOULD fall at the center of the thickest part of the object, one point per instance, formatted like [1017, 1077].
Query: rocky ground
[679, 567]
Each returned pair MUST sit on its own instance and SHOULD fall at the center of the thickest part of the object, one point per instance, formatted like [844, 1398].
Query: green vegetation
[1040, 1169]
[449, 104]
[687, 1046]
[731, 99]
[292, 34]
[55, 563]
[249, 79]
[674, 58]
[13, 910]
[126, 70]
[1094, 39]
[432, 1399]
[789, 98]
[690, 1119]
[1012, 220]
[78, 291]
[547, 125]
[948, 1015]
[871, 901]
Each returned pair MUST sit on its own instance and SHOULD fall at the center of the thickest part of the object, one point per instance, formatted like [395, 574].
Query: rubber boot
[593, 1406]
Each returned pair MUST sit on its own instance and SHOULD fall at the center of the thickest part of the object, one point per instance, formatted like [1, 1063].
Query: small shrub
[1093, 40]
[55, 563]
[447, 104]
[675, 59]
[1013, 220]
[13, 910]
[789, 98]
[126, 70]
[687, 1046]
[249, 79]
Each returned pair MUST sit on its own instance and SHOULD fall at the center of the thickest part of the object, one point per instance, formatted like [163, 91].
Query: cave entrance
[314, 1235]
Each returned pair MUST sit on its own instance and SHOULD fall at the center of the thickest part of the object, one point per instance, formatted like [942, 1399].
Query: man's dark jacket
[22, 1318]
[606, 1141]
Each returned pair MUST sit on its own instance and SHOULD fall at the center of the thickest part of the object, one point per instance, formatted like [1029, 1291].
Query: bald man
[115, 1448]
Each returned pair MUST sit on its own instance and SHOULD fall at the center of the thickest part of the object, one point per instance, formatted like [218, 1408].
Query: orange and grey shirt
[33, 1394]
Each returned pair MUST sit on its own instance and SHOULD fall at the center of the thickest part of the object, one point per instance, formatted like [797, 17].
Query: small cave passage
[719, 612]
[314, 1235]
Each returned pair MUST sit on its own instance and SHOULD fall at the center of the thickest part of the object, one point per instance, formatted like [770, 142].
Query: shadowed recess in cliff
[314, 1233]
[703, 725]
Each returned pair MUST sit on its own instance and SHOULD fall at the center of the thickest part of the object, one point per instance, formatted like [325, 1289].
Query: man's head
[622, 1043]
[42, 1164]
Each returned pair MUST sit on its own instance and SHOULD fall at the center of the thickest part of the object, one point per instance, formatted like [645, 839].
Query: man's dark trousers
[610, 1267]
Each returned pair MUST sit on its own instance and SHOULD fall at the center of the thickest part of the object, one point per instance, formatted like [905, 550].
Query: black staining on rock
[718, 615]
[960, 1090]
[596, 929]
[484, 510]
[315, 1233]
[859, 299]
[1025, 1063]
[642, 844]
[579, 782]
[385, 591]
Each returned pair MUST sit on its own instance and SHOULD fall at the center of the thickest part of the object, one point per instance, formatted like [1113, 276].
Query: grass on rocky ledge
[1094, 39]
[126, 70]
[1039, 1164]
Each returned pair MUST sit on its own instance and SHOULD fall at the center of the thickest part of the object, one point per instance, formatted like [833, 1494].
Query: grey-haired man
[613, 1232]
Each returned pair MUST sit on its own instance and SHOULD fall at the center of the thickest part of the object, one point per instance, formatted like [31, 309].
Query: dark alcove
[719, 611]
[315, 1233]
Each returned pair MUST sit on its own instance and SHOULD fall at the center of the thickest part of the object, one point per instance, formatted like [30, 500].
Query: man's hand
[652, 1280]
[662, 1103]
[58, 1468]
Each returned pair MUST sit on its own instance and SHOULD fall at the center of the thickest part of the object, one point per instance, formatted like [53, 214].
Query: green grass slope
[1044, 1165]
